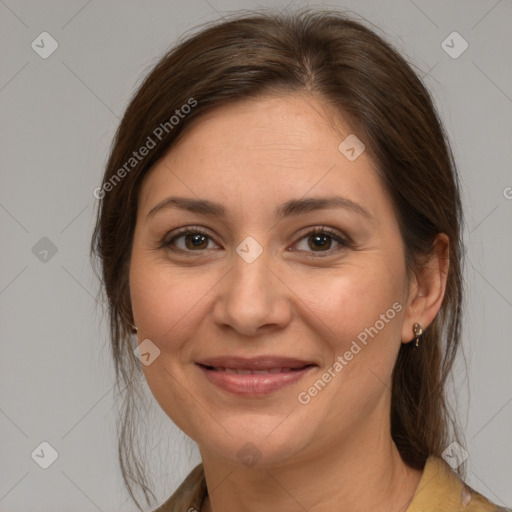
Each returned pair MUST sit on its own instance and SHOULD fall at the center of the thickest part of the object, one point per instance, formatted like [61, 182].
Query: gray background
[58, 116]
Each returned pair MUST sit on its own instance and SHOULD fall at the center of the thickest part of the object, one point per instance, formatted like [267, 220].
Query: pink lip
[254, 363]
[285, 370]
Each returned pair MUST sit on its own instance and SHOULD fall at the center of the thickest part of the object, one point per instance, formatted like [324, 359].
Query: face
[277, 314]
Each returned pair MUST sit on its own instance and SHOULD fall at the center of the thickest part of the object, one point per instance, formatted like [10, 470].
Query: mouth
[248, 371]
[254, 377]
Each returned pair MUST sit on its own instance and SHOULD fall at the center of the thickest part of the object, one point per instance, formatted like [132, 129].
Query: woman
[280, 227]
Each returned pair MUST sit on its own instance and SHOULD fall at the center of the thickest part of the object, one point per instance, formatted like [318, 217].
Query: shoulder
[189, 496]
[441, 490]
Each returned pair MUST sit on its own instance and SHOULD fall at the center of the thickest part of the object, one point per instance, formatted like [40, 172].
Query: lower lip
[253, 384]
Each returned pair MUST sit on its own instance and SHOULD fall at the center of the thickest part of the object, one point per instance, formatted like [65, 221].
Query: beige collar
[441, 490]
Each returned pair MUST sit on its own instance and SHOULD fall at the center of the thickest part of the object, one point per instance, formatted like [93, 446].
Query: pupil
[196, 239]
[320, 238]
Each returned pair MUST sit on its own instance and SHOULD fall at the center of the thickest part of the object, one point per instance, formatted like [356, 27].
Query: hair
[349, 67]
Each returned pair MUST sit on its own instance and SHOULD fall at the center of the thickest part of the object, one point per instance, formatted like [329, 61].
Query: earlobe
[427, 291]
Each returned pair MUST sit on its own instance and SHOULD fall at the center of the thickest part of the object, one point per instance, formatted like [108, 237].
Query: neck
[365, 473]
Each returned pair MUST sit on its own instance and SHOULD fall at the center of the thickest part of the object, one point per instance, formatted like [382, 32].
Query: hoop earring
[418, 331]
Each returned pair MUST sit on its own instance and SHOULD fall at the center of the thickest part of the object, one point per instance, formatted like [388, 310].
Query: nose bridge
[251, 269]
[251, 297]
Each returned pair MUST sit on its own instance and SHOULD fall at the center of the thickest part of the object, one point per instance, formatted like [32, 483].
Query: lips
[246, 371]
[255, 363]
[254, 376]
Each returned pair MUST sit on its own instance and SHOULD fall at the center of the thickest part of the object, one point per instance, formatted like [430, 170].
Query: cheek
[166, 302]
[166, 305]
[359, 314]
[352, 300]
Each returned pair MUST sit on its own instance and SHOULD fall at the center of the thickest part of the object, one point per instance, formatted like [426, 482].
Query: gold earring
[418, 331]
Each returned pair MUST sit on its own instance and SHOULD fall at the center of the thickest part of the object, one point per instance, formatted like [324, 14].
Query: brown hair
[353, 69]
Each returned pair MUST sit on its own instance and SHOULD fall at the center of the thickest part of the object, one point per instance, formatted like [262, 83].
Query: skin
[251, 157]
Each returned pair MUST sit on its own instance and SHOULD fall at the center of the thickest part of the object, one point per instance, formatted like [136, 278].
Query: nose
[252, 298]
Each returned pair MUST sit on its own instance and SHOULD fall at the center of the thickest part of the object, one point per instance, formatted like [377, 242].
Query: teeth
[243, 371]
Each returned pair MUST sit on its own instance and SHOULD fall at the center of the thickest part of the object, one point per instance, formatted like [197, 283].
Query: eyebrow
[287, 209]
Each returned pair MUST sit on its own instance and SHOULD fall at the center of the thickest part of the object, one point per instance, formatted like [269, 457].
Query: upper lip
[254, 363]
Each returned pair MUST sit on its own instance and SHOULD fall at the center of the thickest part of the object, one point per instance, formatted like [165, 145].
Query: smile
[247, 371]
[254, 377]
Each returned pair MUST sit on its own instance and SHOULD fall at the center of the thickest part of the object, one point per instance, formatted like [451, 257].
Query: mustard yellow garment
[439, 490]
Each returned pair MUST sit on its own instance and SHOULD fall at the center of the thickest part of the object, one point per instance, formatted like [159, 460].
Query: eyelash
[192, 230]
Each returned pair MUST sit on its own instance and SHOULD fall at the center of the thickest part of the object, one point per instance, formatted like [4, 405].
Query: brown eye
[195, 241]
[188, 240]
[320, 241]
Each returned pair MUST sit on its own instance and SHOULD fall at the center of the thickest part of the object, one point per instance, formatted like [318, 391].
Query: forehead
[263, 150]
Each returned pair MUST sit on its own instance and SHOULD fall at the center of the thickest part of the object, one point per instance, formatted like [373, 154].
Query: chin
[256, 442]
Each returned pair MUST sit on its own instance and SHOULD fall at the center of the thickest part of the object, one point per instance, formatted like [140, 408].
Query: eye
[320, 240]
[188, 240]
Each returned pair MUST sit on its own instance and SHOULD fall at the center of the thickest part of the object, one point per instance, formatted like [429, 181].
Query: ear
[427, 288]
